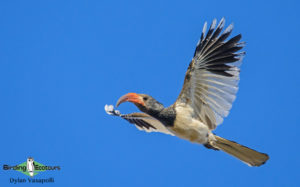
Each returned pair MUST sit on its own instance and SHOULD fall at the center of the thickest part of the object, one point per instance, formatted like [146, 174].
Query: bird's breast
[187, 127]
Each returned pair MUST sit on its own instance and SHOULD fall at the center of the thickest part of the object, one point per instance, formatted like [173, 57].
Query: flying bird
[209, 89]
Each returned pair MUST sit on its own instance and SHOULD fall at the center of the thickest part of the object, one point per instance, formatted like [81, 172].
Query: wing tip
[109, 109]
[229, 28]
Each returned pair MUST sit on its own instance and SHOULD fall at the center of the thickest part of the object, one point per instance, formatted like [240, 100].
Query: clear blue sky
[61, 62]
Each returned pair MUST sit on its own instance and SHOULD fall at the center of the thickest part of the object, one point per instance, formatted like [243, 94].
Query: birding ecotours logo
[30, 167]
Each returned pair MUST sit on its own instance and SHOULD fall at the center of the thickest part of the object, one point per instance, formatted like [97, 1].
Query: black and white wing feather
[142, 121]
[211, 81]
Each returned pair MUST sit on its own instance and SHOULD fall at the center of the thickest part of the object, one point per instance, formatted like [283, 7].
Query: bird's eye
[145, 98]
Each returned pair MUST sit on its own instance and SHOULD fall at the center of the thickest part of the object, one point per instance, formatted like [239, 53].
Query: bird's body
[209, 89]
[189, 128]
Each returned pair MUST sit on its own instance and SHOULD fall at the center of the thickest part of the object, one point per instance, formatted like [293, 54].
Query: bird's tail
[243, 153]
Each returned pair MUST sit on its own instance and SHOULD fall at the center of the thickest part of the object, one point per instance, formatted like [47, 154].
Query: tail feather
[243, 153]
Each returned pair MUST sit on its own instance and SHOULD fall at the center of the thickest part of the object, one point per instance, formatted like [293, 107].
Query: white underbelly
[189, 128]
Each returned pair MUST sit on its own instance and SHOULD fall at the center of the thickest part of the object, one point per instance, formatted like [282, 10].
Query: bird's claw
[109, 109]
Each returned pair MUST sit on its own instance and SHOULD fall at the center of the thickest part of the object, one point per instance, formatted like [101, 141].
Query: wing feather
[211, 81]
[142, 121]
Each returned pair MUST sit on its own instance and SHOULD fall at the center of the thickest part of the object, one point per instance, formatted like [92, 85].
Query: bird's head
[144, 102]
[29, 159]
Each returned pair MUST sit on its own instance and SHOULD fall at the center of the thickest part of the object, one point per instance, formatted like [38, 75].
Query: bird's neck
[155, 111]
[166, 116]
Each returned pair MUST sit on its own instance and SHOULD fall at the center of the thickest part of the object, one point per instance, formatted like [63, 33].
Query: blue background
[61, 62]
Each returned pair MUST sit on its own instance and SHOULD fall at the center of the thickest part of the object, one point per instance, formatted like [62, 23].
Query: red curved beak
[131, 97]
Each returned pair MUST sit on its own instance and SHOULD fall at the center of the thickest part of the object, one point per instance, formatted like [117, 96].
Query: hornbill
[209, 89]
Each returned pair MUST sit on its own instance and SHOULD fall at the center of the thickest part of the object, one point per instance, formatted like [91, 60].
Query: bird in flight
[209, 89]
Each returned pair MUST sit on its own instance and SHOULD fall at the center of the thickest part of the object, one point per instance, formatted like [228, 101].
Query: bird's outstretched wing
[212, 78]
[142, 121]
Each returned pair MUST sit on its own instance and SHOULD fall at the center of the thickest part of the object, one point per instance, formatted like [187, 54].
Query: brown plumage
[209, 89]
